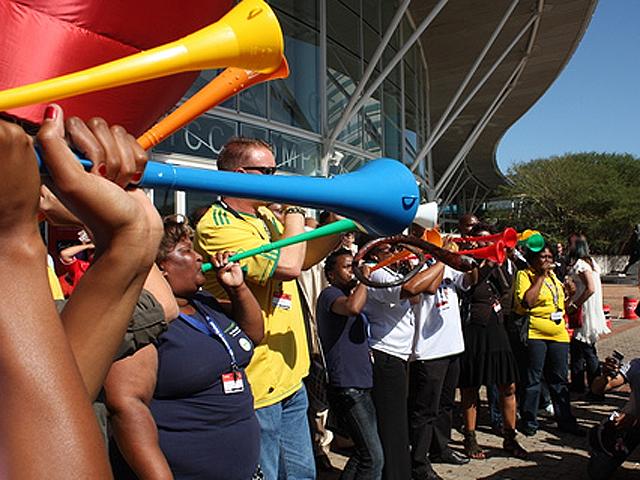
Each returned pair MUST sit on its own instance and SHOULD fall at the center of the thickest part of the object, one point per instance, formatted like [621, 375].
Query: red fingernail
[102, 170]
[136, 177]
[50, 113]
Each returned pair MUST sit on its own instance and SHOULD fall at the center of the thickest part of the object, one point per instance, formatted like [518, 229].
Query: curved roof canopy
[488, 63]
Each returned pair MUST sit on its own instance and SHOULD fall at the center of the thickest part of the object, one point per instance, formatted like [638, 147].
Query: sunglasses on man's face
[263, 170]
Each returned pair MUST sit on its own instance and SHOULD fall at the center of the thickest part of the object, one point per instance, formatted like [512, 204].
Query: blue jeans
[285, 441]
[552, 359]
[493, 399]
[354, 408]
[584, 358]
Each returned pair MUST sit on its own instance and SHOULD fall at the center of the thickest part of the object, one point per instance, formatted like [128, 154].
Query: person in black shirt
[487, 359]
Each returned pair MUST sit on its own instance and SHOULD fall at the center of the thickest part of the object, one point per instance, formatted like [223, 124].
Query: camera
[611, 367]
[618, 357]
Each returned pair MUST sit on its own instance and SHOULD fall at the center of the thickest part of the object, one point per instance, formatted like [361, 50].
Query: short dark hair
[174, 232]
[332, 260]
[236, 151]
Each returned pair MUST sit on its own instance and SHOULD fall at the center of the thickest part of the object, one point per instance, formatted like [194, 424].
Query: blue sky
[594, 105]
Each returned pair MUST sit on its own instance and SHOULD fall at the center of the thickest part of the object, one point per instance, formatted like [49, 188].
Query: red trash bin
[630, 305]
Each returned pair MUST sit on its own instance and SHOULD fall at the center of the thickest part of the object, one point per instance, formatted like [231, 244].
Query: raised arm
[352, 304]
[67, 255]
[292, 257]
[128, 392]
[533, 292]
[245, 309]
[305, 254]
[426, 281]
[43, 404]
[126, 230]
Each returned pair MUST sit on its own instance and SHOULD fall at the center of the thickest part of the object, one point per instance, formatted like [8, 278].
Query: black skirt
[487, 357]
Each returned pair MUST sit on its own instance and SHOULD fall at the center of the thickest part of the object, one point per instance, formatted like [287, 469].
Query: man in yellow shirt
[281, 361]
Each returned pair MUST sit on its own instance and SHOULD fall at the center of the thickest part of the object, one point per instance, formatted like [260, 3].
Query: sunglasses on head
[175, 218]
[263, 170]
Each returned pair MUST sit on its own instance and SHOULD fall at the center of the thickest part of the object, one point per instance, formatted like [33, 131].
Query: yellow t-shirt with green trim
[541, 327]
[281, 360]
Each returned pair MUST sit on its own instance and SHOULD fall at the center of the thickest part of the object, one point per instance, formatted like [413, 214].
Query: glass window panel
[410, 145]
[371, 13]
[295, 100]
[410, 84]
[294, 154]
[371, 41]
[203, 79]
[394, 75]
[343, 73]
[353, 5]
[306, 11]
[252, 131]
[410, 133]
[196, 202]
[407, 29]
[388, 11]
[204, 137]
[254, 100]
[423, 106]
[372, 114]
[164, 200]
[392, 121]
[343, 26]
[349, 163]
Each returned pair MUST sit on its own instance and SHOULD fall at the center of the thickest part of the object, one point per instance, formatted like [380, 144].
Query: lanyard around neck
[211, 328]
[239, 216]
[555, 293]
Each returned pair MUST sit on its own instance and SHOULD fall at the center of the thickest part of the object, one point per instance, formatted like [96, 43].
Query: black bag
[520, 327]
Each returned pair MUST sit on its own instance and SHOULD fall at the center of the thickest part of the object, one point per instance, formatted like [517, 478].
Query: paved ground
[552, 455]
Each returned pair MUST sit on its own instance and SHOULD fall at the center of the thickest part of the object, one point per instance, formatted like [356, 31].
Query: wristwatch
[299, 210]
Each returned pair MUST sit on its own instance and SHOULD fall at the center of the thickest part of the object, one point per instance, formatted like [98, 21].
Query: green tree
[592, 193]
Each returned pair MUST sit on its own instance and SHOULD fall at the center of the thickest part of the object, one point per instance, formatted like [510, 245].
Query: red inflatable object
[41, 39]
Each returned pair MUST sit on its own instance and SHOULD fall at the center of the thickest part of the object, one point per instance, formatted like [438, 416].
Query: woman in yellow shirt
[539, 295]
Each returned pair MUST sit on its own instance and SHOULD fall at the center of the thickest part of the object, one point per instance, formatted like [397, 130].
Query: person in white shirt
[392, 325]
[586, 314]
[433, 372]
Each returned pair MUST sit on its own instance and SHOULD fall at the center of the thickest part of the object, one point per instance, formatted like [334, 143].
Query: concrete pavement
[553, 455]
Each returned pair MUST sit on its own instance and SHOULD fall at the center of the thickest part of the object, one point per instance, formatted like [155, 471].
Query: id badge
[497, 307]
[281, 300]
[232, 382]
[557, 316]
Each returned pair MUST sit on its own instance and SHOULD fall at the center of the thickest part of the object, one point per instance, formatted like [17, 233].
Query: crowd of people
[233, 373]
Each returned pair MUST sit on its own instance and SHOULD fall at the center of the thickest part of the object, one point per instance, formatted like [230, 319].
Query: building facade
[433, 84]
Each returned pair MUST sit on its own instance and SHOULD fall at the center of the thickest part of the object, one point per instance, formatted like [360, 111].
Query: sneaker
[548, 411]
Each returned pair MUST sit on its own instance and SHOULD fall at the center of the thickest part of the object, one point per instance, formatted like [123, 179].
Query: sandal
[511, 445]
[471, 447]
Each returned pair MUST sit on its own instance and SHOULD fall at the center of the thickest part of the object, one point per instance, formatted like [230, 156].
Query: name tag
[557, 316]
[497, 307]
[281, 300]
[232, 382]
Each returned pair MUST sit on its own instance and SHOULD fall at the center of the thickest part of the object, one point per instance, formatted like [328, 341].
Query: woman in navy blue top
[183, 408]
